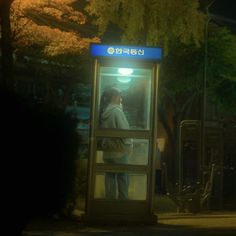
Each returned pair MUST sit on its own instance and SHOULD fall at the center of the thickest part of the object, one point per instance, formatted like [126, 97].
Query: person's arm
[121, 120]
[122, 123]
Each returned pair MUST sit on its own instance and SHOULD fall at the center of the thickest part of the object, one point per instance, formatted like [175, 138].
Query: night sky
[224, 8]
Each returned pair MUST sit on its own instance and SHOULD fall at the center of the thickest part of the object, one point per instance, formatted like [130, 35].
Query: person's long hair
[106, 99]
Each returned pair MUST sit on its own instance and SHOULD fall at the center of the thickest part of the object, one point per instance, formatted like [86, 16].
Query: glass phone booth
[124, 115]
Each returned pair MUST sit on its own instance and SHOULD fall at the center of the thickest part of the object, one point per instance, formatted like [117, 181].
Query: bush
[39, 148]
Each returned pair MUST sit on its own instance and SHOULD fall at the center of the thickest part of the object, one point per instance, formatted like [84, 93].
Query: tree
[6, 47]
[45, 37]
[221, 80]
[54, 26]
[51, 35]
[151, 22]
[181, 79]
[180, 89]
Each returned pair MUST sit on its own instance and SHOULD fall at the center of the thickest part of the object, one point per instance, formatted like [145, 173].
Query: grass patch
[163, 203]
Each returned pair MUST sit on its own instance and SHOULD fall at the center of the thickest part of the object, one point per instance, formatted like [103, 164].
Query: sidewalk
[219, 224]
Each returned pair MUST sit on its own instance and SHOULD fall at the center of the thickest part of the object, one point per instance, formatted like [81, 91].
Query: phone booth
[121, 183]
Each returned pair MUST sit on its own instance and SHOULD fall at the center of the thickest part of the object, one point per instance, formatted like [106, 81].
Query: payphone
[124, 114]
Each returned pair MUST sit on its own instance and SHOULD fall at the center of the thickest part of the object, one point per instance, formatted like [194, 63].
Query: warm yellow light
[161, 143]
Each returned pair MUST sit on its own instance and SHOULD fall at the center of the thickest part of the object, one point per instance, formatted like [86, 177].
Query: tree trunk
[6, 47]
[171, 150]
[172, 131]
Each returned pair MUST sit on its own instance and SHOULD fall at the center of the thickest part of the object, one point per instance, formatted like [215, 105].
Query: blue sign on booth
[135, 52]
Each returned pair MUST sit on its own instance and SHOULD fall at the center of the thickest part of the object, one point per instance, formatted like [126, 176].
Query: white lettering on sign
[141, 52]
[133, 51]
[118, 50]
[111, 50]
[125, 51]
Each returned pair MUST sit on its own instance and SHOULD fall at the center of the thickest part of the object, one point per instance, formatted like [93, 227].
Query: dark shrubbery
[38, 149]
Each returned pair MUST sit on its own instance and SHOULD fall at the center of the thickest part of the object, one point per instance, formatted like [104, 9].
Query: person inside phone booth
[116, 150]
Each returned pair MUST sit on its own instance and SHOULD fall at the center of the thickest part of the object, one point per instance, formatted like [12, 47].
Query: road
[213, 224]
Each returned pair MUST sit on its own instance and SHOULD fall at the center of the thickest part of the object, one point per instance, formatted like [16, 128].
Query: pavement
[169, 224]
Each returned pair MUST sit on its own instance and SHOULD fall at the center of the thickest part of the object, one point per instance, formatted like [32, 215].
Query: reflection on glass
[135, 91]
[122, 151]
[122, 186]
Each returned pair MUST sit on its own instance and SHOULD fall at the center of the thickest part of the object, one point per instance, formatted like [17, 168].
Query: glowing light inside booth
[125, 71]
[124, 79]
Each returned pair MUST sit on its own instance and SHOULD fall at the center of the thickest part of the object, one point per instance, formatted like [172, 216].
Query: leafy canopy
[183, 69]
[221, 70]
[51, 25]
[151, 22]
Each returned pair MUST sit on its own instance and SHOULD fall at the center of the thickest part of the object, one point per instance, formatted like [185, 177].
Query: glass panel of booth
[134, 85]
[117, 150]
[120, 186]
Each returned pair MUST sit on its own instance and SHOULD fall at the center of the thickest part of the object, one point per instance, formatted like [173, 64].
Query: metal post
[205, 82]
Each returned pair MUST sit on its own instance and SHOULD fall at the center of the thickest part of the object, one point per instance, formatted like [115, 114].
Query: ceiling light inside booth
[125, 71]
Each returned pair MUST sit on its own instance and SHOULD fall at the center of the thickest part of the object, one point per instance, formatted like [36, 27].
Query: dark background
[38, 148]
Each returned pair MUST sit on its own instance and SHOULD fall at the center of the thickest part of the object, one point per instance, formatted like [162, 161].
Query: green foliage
[181, 70]
[221, 70]
[151, 22]
[221, 54]
[181, 80]
[225, 97]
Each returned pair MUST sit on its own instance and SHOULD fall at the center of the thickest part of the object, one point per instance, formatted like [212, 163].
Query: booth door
[125, 178]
